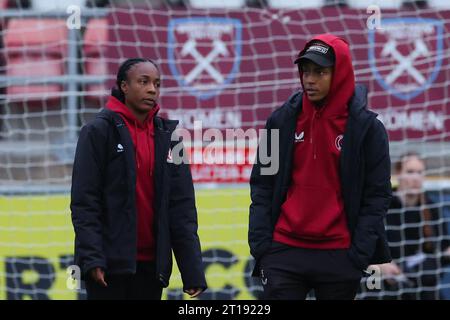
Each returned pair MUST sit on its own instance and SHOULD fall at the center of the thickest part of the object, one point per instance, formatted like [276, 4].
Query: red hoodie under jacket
[142, 135]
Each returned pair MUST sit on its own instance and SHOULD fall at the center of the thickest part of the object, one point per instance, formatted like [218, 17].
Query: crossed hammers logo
[204, 63]
[405, 63]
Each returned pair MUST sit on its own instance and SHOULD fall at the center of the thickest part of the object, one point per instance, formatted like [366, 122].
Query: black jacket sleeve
[376, 195]
[183, 227]
[439, 223]
[86, 202]
[260, 229]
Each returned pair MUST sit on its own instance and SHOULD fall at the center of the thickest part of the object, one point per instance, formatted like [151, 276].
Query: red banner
[230, 164]
[232, 69]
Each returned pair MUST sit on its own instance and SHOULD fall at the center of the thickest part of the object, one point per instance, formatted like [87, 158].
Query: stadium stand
[383, 4]
[204, 4]
[60, 5]
[439, 4]
[35, 48]
[94, 47]
[292, 4]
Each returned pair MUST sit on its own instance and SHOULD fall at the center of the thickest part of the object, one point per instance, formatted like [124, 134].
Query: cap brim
[316, 58]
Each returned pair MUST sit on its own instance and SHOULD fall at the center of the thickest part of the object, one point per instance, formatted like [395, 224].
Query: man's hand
[194, 292]
[99, 276]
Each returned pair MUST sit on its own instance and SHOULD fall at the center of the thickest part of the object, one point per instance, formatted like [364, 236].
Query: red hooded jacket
[142, 135]
[313, 214]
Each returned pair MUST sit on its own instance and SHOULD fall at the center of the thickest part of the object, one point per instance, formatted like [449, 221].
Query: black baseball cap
[318, 52]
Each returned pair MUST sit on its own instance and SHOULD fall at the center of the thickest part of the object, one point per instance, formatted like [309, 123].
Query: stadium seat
[295, 4]
[383, 4]
[3, 6]
[439, 4]
[35, 48]
[207, 4]
[94, 51]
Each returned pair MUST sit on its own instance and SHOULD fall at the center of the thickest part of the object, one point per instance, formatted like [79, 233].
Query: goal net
[223, 66]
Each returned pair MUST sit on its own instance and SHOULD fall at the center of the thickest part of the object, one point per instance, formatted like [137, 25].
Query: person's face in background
[142, 87]
[411, 175]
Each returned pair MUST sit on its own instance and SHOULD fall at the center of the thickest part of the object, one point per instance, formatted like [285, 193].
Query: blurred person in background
[417, 235]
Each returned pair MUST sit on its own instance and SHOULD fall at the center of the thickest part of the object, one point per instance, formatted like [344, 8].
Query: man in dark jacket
[131, 203]
[318, 222]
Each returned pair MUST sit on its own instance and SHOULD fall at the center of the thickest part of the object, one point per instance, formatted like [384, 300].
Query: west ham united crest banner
[231, 69]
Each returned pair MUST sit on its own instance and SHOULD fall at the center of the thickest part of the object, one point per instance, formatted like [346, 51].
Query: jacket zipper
[157, 217]
[136, 133]
[313, 137]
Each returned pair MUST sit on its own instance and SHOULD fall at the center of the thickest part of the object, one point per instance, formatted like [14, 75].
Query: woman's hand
[195, 292]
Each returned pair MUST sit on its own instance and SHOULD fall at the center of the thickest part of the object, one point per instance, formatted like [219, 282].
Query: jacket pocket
[312, 213]
[342, 261]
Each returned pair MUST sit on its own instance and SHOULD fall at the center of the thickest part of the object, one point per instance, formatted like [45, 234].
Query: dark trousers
[141, 286]
[290, 273]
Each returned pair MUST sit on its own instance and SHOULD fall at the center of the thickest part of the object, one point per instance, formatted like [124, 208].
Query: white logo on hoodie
[299, 137]
[339, 141]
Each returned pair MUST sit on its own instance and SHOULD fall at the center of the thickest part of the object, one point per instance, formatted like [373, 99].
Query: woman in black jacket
[132, 201]
[417, 237]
